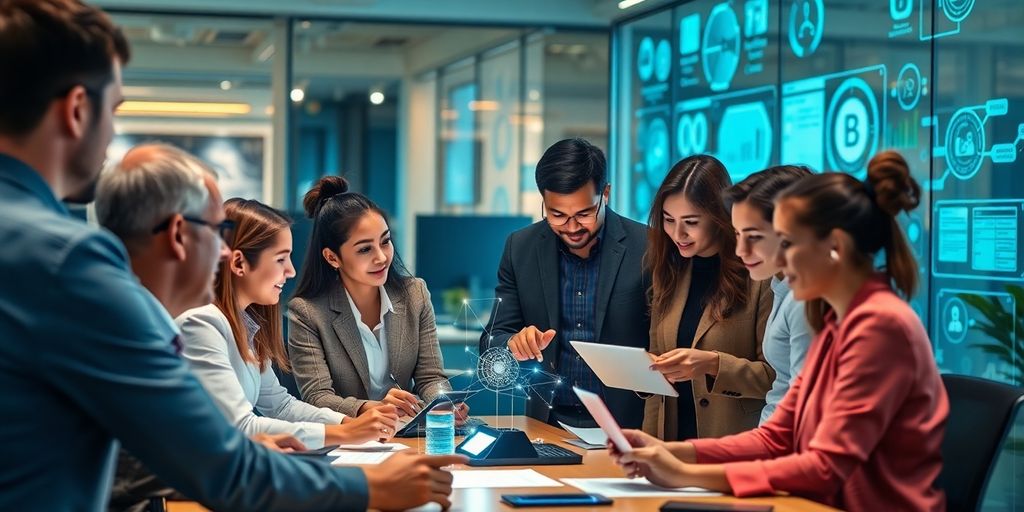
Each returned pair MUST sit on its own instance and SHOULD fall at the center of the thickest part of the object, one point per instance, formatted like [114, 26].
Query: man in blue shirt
[85, 353]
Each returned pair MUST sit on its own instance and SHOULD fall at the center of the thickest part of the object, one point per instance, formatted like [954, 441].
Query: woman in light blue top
[231, 343]
[786, 336]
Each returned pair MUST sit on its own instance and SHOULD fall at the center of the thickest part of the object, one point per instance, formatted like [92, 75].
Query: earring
[834, 254]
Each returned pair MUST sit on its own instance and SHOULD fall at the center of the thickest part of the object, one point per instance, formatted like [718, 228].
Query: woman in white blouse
[231, 343]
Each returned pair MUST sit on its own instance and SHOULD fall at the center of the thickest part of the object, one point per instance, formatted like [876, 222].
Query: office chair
[980, 416]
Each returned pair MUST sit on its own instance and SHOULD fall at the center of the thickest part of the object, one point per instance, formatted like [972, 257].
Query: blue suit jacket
[86, 358]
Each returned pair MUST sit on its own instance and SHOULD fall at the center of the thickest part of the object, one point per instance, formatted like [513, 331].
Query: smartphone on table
[554, 500]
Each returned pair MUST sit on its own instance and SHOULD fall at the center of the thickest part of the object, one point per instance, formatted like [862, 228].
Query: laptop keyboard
[545, 450]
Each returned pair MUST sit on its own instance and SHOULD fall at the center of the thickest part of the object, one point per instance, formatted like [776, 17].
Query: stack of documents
[590, 438]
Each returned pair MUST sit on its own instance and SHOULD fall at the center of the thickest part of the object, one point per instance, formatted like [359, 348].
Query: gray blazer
[328, 358]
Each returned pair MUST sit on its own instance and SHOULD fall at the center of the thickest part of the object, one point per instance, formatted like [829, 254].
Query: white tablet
[624, 368]
[604, 418]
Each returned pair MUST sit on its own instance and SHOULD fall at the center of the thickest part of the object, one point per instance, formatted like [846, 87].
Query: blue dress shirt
[787, 337]
[86, 358]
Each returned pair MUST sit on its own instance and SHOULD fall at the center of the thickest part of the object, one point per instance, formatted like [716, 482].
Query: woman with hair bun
[861, 427]
[361, 332]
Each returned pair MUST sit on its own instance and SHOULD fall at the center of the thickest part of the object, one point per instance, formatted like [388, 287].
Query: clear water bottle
[441, 430]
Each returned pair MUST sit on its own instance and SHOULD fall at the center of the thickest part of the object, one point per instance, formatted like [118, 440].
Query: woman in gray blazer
[361, 330]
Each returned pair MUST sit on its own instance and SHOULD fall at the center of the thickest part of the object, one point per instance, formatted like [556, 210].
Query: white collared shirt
[375, 344]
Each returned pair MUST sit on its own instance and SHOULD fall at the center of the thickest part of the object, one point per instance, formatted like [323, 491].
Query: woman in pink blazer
[862, 425]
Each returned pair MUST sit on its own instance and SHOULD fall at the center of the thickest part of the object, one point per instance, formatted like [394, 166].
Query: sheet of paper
[479, 478]
[369, 446]
[589, 435]
[624, 368]
[579, 443]
[358, 458]
[634, 488]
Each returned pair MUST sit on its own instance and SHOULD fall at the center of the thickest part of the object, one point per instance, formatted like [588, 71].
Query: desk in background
[596, 464]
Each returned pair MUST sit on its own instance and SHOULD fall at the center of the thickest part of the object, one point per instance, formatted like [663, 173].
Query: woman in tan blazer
[361, 330]
[707, 316]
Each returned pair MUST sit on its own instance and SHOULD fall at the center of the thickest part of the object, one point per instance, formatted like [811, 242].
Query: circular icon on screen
[806, 25]
[955, 320]
[645, 59]
[721, 47]
[965, 142]
[909, 86]
[656, 152]
[852, 124]
[663, 60]
[957, 10]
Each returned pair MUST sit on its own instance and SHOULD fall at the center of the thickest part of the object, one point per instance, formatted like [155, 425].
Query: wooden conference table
[596, 464]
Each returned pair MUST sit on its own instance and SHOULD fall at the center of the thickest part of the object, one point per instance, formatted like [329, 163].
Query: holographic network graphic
[496, 370]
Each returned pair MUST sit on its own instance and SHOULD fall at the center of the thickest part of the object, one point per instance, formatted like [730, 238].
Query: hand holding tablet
[624, 367]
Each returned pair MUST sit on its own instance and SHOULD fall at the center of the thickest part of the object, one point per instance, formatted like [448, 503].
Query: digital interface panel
[828, 84]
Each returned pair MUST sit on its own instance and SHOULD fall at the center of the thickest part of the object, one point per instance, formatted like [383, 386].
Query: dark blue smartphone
[554, 500]
[319, 452]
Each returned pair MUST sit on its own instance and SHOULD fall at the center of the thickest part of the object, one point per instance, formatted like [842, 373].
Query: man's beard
[86, 169]
[581, 244]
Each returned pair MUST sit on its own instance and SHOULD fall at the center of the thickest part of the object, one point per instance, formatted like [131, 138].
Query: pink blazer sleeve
[875, 369]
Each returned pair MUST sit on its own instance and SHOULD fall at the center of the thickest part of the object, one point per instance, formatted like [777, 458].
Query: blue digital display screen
[829, 83]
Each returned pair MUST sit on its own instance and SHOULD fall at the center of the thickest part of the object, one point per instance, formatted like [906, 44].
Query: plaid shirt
[578, 282]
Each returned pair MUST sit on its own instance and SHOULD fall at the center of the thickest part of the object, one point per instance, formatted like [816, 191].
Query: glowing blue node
[497, 369]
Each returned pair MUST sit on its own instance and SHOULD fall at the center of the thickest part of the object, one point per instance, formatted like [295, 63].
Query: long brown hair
[256, 226]
[867, 211]
[701, 179]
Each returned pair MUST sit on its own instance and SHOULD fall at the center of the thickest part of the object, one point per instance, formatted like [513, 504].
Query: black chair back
[980, 414]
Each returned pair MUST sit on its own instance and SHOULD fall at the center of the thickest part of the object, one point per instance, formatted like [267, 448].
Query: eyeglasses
[222, 228]
[583, 218]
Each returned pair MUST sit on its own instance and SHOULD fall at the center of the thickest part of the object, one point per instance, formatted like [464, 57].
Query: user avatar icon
[965, 145]
[908, 88]
[955, 325]
[807, 24]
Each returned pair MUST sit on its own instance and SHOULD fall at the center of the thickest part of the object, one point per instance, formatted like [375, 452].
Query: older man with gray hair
[164, 204]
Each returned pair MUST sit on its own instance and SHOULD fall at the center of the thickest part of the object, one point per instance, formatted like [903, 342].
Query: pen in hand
[406, 401]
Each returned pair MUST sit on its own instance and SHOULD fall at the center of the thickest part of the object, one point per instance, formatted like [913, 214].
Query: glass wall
[828, 83]
[204, 84]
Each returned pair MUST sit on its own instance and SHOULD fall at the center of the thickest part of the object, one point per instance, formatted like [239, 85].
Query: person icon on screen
[955, 325]
[807, 24]
[965, 145]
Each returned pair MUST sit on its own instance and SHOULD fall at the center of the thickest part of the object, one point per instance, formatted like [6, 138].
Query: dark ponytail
[895, 192]
[867, 211]
[335, 211]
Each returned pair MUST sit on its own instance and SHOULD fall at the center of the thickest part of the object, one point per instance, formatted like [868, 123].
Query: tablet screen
[604, 418]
